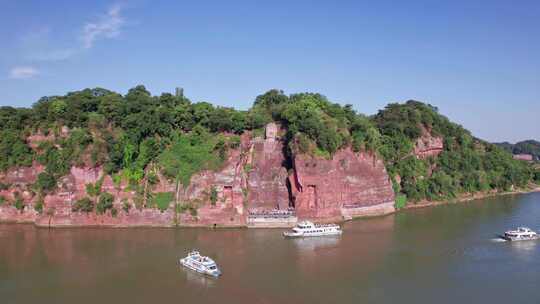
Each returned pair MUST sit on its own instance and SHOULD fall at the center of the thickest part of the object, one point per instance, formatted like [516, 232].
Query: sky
[477, 61]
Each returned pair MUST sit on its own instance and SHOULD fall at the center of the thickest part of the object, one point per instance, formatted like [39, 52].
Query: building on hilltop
[525, 157]
[179, 92]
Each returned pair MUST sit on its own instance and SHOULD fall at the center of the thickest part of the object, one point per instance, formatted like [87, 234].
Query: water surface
[444, 254]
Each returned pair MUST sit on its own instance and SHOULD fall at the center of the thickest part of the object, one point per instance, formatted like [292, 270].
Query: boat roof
[195, 255]
[520, 230]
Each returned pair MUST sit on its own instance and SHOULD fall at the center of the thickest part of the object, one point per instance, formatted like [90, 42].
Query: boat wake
[498, 240]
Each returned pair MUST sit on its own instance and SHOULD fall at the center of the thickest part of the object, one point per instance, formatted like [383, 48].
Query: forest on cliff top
[136, 135]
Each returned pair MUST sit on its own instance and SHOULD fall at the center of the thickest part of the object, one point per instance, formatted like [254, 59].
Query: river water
[444, 254]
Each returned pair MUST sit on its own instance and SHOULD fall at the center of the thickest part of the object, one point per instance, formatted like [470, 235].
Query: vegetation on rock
[466, 165]
[105, 203]
[177, 138]
[38, 206]
[213, 196]
[19, 202]
[85, 205]
[162, 200]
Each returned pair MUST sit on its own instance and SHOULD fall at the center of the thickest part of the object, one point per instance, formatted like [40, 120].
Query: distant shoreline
[467, 198]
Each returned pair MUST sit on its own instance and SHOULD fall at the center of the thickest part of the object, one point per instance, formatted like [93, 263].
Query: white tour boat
[307, 228]
[201, 264]
[520, 234]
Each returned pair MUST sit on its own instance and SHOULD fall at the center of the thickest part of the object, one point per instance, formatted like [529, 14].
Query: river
[443, 254]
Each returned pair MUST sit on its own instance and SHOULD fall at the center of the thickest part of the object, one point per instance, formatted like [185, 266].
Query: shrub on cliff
[85, 205]
[14, 150]
[94, 189]
[183, 207]
[105, 203]
[537, 176]
[19, 202]
[401, 201]
[162, 200]
[45, 182]
[126, 206]
[57, 161]
[213, 195]
[189, 154]
[38, 206]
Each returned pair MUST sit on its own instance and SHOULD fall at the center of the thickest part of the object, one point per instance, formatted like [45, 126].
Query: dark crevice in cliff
[287, 155]
[289, 190]
[288, 163]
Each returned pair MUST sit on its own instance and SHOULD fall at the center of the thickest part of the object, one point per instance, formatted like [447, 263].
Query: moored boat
[201, 264]
[309, 229]
[520, 234]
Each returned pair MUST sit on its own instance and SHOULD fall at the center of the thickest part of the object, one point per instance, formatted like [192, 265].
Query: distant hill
[523, 147]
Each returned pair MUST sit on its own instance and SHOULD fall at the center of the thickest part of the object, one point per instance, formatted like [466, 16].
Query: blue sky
[478, 61]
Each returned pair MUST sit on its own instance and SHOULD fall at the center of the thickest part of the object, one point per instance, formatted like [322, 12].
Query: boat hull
[302, 235]
[517, 239]
[186, 264]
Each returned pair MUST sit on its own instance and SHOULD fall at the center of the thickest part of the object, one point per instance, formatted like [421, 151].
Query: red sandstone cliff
[322, 187]
[254, 177]
[267, 176]
[229, 183]
[428, 145]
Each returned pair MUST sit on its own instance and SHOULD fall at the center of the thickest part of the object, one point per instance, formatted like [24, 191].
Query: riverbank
[468, 197]
[154, 218]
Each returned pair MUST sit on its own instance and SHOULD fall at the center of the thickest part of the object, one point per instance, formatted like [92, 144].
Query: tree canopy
[127, 133]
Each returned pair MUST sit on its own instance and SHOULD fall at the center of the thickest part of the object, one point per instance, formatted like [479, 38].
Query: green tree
[45, 182]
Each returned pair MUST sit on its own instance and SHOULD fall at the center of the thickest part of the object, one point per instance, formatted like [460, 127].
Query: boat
[308, 229]
[201, 264]
[520, 234]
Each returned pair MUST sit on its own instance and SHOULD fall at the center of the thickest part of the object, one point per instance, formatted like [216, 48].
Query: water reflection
[313, 243]
[199, 279]
[524, 249]
[416, 256]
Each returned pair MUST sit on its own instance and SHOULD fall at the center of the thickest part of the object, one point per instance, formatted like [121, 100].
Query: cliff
[252, 182]
[325, 188]
[428, 145]
[267, 176]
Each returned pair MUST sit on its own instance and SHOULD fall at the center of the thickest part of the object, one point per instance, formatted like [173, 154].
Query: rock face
[428, 145]
[228, 183]
[22, 175]
[57, 210]
[322, 187]
[253, 184]
[267, 176]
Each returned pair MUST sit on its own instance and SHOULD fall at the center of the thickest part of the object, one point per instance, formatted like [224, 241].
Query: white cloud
[108, 26]
[51, 55]
[39, 45]
[23, 72]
